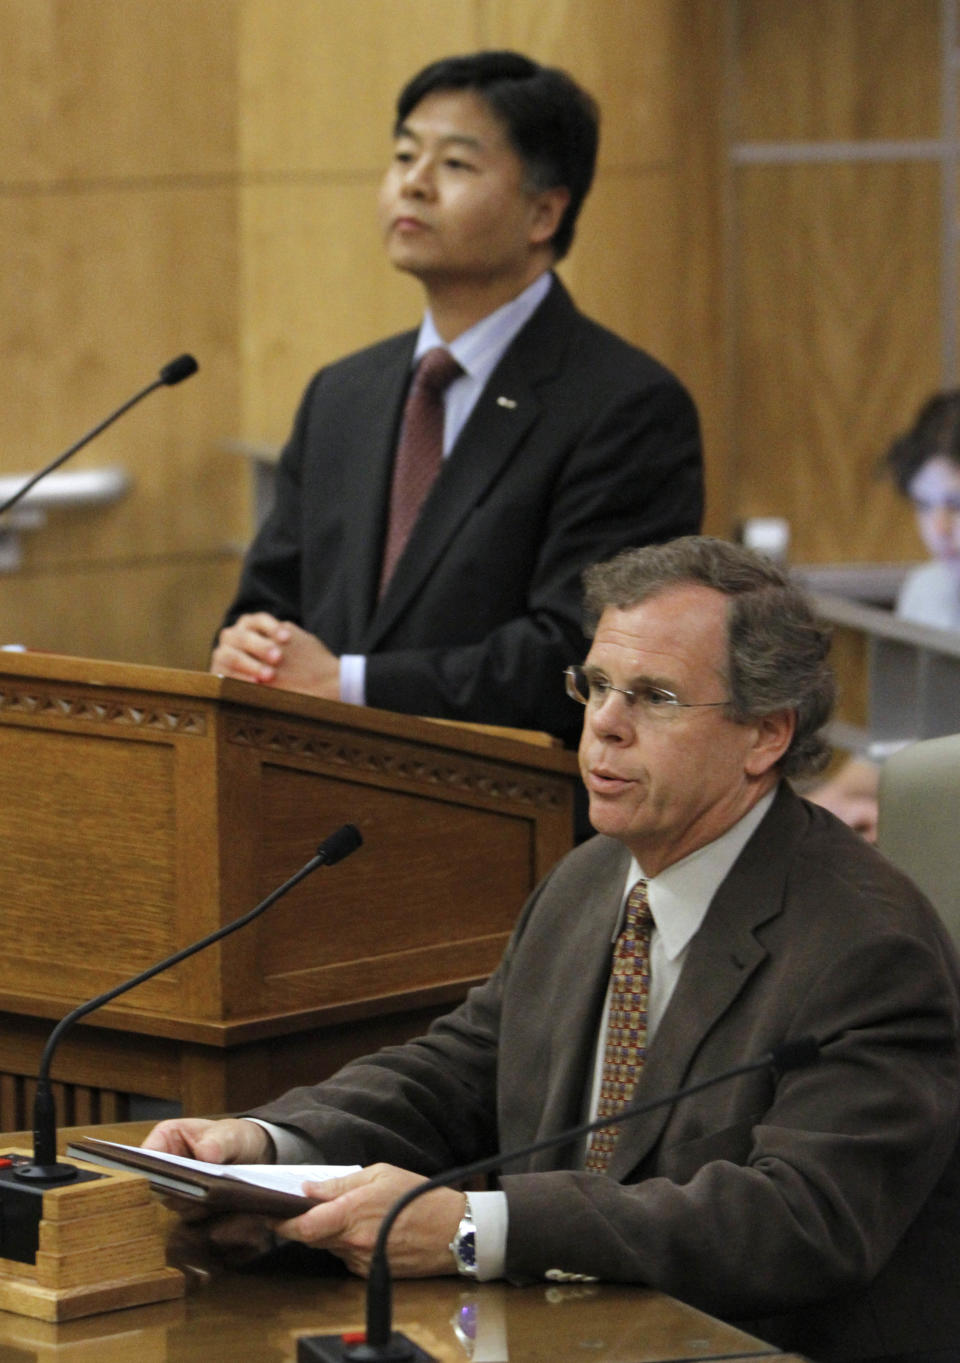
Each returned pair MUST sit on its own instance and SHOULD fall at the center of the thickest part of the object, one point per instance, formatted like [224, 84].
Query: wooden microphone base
[100, 1247]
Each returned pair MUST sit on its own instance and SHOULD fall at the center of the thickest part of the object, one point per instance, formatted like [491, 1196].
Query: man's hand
[233, 1238]
[230, 1141]
[259, 648]
[352, 1208]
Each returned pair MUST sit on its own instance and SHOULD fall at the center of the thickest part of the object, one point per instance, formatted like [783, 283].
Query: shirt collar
[680, 896]
[478, 349]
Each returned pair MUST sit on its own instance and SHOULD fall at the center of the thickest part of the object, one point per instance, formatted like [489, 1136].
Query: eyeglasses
[925, 505]
[649, 702]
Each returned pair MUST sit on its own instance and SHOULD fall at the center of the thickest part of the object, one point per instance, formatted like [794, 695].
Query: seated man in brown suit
[820, 1208]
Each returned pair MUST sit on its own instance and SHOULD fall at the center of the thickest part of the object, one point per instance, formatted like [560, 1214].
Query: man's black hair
[552, 124]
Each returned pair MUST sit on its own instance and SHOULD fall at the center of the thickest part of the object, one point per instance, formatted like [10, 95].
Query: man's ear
[774, 734]
[548, 208]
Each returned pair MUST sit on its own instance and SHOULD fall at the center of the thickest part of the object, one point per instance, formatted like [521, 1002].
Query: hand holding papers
[265, 1189]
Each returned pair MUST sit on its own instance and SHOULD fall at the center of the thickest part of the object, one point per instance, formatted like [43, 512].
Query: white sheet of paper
[287, 1178]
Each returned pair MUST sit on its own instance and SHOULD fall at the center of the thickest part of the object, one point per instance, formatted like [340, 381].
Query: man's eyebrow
[658, 682]
[457, 139]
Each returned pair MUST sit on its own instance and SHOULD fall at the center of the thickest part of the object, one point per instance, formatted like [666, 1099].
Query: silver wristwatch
[463, 1246]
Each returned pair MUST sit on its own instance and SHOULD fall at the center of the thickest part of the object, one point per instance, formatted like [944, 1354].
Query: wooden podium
[141, 808]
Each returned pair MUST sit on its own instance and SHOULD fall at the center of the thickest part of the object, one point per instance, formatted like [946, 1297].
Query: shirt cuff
[353, 678]
[290, 1146]
[490, 1215]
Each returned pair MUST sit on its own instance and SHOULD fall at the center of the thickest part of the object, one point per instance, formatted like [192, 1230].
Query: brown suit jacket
[820, 1209]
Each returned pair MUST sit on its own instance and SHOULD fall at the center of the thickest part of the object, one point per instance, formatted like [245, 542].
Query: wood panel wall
[119, 249]
[835, 265]
[200, 175]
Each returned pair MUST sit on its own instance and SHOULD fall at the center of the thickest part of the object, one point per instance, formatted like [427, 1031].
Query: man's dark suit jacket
[580, 445]
[820, 1210]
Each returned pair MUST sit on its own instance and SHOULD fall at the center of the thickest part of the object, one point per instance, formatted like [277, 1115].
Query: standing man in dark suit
[561, 443]
[819, 1209]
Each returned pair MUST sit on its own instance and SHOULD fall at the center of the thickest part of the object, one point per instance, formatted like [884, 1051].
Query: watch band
[463, 1246]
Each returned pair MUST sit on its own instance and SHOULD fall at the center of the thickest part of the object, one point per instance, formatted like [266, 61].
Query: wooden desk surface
[252, 1317]
[230, 1317]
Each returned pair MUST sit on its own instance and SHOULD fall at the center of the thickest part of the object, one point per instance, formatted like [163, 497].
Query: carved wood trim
[46, 702]
[400, 761]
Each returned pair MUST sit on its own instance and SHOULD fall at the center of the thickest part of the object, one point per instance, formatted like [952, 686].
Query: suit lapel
[722, 957]
[505, 411]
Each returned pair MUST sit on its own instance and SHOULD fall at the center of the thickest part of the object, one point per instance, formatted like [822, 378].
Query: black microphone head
[179, 369]
[340, 844]
[795, 1055]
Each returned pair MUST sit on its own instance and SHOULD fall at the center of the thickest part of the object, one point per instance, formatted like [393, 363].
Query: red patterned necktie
[626, 1039]
[419, 453]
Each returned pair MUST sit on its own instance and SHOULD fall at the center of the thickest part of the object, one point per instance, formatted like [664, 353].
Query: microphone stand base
[46, 1173]
[79, 1246]
[22, 1186]
[349, 1349]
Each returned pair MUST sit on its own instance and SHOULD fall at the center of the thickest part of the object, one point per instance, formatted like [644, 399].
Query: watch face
[465, 1248]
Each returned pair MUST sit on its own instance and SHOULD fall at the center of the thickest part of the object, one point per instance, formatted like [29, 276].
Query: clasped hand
[349, 1210]
[260, 648]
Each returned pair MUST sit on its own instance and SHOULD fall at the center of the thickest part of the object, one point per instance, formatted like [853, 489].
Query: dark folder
[215, 1192]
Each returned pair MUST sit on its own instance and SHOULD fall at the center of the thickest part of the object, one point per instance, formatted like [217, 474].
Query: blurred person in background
[924, 463]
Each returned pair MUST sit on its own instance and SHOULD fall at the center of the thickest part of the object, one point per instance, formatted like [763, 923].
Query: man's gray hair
[777, 648]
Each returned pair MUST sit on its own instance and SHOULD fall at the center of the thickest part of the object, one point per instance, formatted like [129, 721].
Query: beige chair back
[919, 821]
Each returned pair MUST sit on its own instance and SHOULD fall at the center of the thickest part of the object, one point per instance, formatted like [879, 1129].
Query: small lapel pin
[506, 402]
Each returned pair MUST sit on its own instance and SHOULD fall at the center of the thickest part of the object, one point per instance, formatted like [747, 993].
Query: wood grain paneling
[837, 69]
[95, 867]
[319, 77]
[836, 345]
[119, 239]
[88, 320]
[404, 828]
[626, 269]
[112, 89]
[841, 315]
[621, 51]
[132, 611]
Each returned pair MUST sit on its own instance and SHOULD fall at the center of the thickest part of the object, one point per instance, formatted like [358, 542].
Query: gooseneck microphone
[382, 1344]
[45, 1168]
[174, 372]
